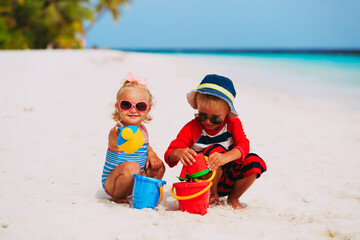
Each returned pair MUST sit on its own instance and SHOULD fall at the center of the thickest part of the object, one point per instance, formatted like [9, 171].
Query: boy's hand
[185, 155]
[216, 160]
[113, 135]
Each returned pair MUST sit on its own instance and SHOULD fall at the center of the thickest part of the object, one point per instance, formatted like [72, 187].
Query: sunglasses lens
[125, 105]
[215, 120]
[201, 117]
[141, 106]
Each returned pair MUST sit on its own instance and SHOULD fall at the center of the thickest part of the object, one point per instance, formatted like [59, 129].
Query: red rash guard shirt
[230, 135]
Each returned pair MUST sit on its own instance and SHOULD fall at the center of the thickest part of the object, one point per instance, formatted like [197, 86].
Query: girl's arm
[113, 135]
[152, 159]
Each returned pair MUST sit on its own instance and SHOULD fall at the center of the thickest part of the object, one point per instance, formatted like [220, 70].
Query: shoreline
[336, 51]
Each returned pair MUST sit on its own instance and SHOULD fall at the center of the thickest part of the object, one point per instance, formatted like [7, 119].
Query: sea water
[334, 77]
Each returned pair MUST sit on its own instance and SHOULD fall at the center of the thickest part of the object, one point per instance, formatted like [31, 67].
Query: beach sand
[55, 114]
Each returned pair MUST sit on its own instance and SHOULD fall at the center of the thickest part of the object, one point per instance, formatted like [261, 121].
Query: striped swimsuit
[113, 159]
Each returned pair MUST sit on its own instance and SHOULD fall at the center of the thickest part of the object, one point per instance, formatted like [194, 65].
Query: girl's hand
[152, 160]
[185, 155]
[113, 135]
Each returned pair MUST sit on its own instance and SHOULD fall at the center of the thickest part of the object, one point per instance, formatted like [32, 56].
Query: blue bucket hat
[218, 86]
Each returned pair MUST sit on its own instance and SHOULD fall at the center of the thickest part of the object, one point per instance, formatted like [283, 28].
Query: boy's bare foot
[235, 203]
[214, 199]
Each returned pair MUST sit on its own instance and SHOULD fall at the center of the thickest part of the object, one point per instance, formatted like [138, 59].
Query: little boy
[218, 133]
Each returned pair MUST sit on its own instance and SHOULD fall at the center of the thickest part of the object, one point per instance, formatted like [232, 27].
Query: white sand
[55, 109]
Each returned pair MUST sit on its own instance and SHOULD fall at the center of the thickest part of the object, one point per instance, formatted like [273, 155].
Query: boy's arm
[184, 155]
[179, 149]
[217, 159]
[238, 153]
[240, 140]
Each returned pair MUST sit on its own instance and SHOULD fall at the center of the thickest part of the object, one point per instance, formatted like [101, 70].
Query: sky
[229, 24]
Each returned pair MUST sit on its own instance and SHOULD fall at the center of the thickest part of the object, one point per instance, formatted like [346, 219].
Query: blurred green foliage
[38, 24]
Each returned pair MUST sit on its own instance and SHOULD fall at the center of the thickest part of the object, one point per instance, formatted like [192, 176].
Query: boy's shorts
[233, 171]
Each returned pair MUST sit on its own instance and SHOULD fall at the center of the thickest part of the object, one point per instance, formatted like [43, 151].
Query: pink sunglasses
[126, 105]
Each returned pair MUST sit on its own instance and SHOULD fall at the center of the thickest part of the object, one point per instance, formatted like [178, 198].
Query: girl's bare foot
[119, 200]
[235, 203]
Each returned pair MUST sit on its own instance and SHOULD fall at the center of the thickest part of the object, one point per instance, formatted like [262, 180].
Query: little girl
[133, 104]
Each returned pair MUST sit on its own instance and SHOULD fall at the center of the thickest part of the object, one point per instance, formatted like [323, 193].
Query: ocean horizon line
[353, 51]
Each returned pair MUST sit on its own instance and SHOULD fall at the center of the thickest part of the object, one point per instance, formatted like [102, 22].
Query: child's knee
[130, 168]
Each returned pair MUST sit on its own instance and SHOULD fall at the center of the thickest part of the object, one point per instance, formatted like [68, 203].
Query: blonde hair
[128, 84]
[210, 99]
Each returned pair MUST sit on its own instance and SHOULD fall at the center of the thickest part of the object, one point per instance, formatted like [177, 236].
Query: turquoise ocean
[330, 77]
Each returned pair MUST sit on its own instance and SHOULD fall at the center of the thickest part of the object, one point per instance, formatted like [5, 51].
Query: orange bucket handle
[161, 192]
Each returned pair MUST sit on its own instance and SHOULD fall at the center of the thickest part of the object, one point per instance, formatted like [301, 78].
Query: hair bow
[132, 78]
